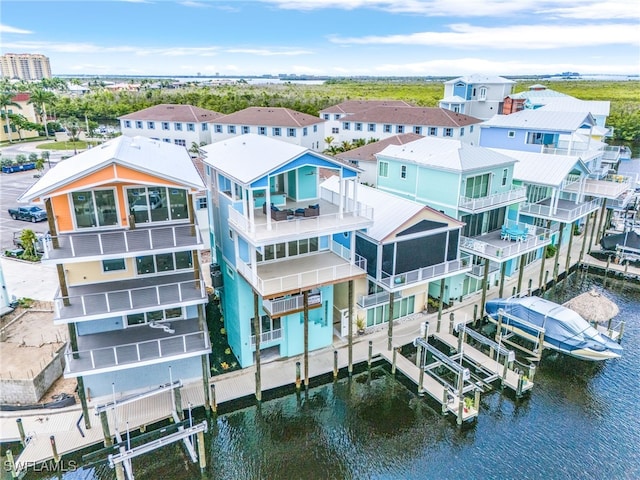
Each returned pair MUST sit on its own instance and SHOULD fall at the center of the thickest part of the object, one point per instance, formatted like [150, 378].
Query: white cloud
[190, 3]
[263, 52]
[520, 37]
[591, 9]
[10, 29]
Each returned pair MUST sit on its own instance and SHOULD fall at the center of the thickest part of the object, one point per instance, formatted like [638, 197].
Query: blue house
[284, 244]
[475, 186]
[408, 247]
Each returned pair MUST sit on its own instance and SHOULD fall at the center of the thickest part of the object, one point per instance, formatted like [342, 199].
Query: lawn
[79, 145]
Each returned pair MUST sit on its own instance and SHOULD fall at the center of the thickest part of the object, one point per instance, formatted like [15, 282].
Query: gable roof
[543, 168]
[570, 104]
[446, 154]
[249, 157]
[539, 93]
[276, 116]
[432, 116]
[358, 106]
[169, 112]
[367, 152]
[390, 211]
[545, 120]
[477, 78]
[160, 159]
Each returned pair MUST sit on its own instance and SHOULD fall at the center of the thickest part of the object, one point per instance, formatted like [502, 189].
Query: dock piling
[214, 403]
[11, 464]
[444, 402]
[532, 372]
[335, 364]
[298, 376]
[393, 362]
[370, 354]
[23, 437]
[451, 318]
[178, 402]
[529, 287]
[621, 331]
[54, 449]
[202, 451]
[106, 433]
[476, 399]
[475, 314]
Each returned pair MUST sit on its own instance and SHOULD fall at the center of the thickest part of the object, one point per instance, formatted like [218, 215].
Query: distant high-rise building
[25, 66]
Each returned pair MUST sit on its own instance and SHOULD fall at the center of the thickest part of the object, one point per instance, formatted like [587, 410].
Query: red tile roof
[167, 112]
[367, 152]
[437, 117]
[21, 97]
[358, 106]
[272, 116]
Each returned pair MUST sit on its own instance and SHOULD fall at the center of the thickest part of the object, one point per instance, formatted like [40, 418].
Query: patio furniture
[277, 214]
[504, 235]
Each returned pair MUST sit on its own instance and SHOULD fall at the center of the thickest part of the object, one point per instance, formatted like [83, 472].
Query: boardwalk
[40, 424]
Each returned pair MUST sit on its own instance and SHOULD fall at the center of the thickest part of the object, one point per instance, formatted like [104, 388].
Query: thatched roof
[593, 306]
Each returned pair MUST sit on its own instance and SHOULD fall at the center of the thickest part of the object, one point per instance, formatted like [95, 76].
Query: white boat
[564, 330]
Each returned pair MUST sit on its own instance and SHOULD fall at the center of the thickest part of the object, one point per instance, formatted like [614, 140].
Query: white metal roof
[541, 119]
[248, 157]
[477, 78]
[542, 168]
[389, 211]
[446, 154]
[570, 104]
[453, 99]
[154, 157]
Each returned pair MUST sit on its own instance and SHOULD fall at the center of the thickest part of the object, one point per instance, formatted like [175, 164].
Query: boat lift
[454, 393]
[504, 322]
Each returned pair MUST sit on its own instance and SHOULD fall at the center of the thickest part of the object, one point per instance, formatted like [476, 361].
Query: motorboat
[564, 329]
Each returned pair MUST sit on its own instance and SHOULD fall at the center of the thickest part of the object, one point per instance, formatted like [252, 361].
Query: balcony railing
[366, 301]
[425, 274]
[493, 247]
[290, 304]
[266, 337]
[564, 215]
[121, 242]
[102, 304]
[130, 354]
[345, 253]
[516, 194]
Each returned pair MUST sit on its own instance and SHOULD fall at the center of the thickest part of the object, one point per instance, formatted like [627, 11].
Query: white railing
[366, 301]
[515, 194]
[298, 280]
[288, 304]
[128, 353]
[122, 300]
[121, 241]
[345, 253]
[560, 214]
[266, 337]
[570, 180]
[535, 237]
[357, 208]
[459, 265]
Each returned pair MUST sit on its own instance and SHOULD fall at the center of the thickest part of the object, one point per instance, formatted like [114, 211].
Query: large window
[157, 204]
[95, 208]
[154, 316]
[477, 187]
[164, 262]
[114, 265]
[288, 249]
[383, 169]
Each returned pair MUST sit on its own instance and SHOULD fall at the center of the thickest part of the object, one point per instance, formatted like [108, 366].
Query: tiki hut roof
[593, 306]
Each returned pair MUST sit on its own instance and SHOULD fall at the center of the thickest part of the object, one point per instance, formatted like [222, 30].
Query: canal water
[579, 422]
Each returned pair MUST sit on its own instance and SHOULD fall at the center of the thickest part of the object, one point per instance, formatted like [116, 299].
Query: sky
[326, 37]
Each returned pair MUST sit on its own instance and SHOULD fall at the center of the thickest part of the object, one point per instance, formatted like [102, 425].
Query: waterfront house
[275, 122]
[365, 157]
[181, 125]
[408, 247]
[479, 96]
[381, 122]
[475, 186]
[126, 247]
[279, 247]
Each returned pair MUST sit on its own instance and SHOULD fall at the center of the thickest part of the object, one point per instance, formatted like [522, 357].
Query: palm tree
[6, 101]
[41, 97]
[329, 141]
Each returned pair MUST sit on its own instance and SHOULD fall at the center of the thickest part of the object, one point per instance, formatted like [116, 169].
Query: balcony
[267, 337]
[353, 217]
[82, 247]
[476, 205]
[135, 347]
[477, 271]
[493, 247]
[305, 272]
[284, 306]
[427, 274]
[610, 187]
[366, 301]
[103, 300]
[568, 211]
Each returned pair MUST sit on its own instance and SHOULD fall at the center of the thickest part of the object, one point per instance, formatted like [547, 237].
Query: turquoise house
[474, 185]
[276, 244]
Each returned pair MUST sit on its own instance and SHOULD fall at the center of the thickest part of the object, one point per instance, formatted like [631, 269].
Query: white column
[352, 248]
[552, 201]
[252, 216]
[341, 197]
[267, 207]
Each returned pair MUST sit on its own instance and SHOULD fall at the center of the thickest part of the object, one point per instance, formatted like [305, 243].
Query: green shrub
[20, 159]
[550, 251]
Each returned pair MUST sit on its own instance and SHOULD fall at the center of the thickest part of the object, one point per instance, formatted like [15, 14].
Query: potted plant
[468, 403]
[360, 324]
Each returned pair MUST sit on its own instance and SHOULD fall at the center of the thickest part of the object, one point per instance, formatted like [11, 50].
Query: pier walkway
[39, 425]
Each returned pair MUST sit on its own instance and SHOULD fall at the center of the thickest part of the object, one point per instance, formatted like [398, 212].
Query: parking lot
[12, 185]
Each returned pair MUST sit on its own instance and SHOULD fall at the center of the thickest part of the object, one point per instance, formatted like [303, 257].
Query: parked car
[29, 213]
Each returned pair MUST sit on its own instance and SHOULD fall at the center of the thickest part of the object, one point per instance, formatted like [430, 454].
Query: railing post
[115, 354]
[93, 362]
[151, 238]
